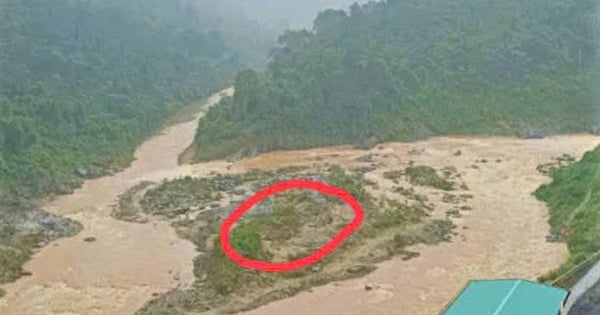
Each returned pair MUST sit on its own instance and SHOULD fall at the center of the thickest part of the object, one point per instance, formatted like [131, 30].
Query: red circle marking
[301, 262]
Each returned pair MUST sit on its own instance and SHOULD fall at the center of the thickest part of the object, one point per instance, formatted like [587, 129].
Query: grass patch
[11, 260]
[573, 198]
[427, 176]
[226, 277]
[246, 240]
[396, 214]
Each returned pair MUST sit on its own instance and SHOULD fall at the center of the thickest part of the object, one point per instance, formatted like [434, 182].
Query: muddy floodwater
[128, 262]
[502, 237]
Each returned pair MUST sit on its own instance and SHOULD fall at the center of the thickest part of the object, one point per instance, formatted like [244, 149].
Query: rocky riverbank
[23, 228]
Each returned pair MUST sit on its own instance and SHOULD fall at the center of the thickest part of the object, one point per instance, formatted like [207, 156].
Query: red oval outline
[311, 259]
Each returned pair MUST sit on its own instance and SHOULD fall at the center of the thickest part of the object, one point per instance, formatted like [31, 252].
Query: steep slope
[111, 267]
[407, 69]
[84, 82]
[573, 197]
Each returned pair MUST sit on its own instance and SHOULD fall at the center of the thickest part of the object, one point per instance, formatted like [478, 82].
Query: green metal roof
[507, 297]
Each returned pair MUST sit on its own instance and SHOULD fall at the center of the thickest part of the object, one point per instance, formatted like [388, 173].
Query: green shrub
[246, 240]
[573, 198]
[427, 176]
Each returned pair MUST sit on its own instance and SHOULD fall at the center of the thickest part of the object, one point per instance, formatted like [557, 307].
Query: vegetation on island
[284, 227]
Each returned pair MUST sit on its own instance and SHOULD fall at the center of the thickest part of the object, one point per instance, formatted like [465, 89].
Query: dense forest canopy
[408, 69]
[81, 82]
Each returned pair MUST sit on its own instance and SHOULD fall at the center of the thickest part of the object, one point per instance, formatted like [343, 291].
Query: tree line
[83, 82]
[410, 69]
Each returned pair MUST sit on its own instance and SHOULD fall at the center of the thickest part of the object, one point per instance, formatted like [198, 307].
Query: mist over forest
[83, 83]
[254, 26]
[293, 14]
[407, 70]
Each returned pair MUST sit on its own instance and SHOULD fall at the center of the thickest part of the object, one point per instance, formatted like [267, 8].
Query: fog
[278, 14]
[252, 26]
[130, 128]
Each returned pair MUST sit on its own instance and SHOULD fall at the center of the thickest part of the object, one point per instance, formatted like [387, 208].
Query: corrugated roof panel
[507, 297]
[532, 298]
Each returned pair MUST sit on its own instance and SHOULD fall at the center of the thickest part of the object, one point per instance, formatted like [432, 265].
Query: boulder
[82, 172]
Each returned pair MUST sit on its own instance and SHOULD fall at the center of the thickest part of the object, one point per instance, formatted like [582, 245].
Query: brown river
[129, 262]
[503, 237]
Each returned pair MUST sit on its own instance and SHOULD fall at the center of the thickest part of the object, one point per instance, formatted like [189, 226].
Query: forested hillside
[81, 84]
[409, 69]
